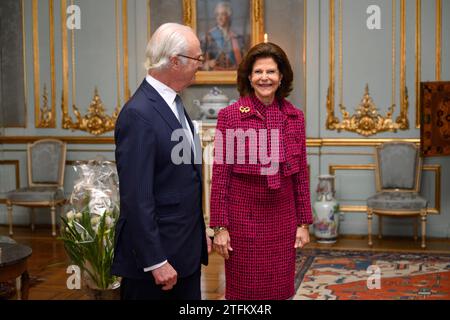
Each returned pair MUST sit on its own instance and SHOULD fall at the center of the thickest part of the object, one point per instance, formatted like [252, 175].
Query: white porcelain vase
[326, 211]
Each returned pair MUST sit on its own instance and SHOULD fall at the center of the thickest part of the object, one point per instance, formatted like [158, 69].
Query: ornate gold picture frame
[246, 31]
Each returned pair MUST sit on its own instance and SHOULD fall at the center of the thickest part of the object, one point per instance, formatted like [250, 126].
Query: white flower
[109, 222]
[78, 215]
[99, 203]
[70, 215]
[94, 221]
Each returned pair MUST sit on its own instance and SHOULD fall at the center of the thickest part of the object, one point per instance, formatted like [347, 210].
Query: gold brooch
[244, 109]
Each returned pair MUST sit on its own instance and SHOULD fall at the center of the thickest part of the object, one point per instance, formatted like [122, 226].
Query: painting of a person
[222, 45]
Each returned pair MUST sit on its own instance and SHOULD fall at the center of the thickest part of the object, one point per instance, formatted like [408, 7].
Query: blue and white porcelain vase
[326, 211]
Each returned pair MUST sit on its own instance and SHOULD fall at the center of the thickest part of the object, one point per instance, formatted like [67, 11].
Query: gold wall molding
[65, 63]
[437, 50]
[350, 208]
[36, 66]
[370, 154]
[15, 163]
[438, 39]
[149, 25]
[435, 168]
[366, 121]
[418, 52]
[96, 121]
[333, 142]
[44, 117]
[402, 119]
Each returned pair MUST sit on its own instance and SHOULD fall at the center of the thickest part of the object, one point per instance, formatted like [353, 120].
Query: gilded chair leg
[423, 217]
[52, 211]
[380, 227]
[10, 218]
[416, 227]
[369, 224]
[32, 218]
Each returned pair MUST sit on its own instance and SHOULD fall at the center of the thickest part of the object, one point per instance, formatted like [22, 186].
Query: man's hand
[165, 276]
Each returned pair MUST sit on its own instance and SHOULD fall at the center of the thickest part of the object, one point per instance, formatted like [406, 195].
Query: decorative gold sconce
[95, 121]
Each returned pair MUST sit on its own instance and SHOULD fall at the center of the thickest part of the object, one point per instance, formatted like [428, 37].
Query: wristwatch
[219, 229]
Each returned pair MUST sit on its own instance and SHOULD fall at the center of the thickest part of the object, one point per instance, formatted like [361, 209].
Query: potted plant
[88, 227]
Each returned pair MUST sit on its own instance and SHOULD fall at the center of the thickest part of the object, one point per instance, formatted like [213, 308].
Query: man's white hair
[167, 41]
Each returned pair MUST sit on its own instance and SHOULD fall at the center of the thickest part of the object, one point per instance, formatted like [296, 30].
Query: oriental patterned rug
[360, 275]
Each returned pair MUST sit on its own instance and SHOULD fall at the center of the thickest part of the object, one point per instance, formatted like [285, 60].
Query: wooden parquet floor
[49, 262]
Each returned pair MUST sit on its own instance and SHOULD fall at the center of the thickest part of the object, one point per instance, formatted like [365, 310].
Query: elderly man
[160, 235]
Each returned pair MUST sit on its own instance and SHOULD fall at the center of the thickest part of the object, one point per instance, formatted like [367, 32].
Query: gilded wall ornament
[95, 121]
[45, 114]
[367, 120]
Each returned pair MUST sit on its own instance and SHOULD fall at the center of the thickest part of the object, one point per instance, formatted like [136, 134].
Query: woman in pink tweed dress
[260, 200]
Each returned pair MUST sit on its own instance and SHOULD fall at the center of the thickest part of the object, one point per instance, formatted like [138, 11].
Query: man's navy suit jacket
[160, 202]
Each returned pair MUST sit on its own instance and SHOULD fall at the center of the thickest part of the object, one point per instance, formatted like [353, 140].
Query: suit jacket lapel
[161, 106]
[168, 116]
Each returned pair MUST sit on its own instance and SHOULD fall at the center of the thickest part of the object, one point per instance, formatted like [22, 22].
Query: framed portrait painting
[227, 29]
[435, 118]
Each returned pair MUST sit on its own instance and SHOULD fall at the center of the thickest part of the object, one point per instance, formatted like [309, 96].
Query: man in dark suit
[160, 235]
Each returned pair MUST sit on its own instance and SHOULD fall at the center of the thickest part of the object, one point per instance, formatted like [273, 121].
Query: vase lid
[215, 95]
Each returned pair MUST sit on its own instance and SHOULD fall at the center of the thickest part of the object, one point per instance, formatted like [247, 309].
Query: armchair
[397, 171]
[45, 165]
